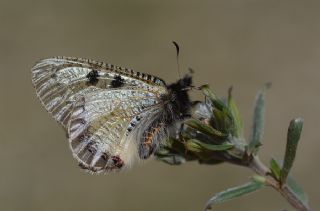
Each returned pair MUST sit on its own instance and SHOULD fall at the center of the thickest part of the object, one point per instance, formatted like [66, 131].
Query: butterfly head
[180, 100]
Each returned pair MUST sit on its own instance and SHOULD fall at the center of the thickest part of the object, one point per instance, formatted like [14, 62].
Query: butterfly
[112, 115]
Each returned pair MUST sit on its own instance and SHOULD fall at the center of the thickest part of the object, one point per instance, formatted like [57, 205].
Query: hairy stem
[257, 166]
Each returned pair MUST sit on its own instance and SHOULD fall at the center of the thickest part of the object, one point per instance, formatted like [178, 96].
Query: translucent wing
[102, 125]
[61, 81]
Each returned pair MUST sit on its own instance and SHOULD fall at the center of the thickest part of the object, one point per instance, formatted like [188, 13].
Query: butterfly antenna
[177, 51]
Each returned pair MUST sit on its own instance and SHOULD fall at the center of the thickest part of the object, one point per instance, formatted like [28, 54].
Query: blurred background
[243, 43]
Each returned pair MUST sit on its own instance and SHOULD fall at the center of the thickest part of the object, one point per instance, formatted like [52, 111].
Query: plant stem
[257, 166]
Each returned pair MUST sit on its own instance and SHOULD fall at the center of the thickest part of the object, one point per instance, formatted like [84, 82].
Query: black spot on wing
[133, 123]
[117, 82]
[117, 162]
[92, 77]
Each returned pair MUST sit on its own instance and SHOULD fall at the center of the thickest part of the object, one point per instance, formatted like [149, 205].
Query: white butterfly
[112, 115]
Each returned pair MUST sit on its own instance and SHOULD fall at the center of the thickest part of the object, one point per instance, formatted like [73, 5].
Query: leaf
[162, 151]
[198, 146]
[222, 121]
[258, 121]
[238, 124]
[259, 179]
[219, 104]
[172, 159]
[203, 128]
[275, 169]
[293, 185]
[168, 154]
[293, 137]
[223, 118]
[219, 120]
[234, 193]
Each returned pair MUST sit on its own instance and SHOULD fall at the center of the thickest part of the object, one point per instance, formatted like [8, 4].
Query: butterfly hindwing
[101, 126]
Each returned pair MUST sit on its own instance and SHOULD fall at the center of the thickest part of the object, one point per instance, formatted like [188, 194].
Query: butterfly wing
[101, 127]
[61, 81]
[99, 106]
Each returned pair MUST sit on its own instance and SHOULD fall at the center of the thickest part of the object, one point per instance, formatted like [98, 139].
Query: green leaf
[275, 169]
[258, 121]
[219, 120]
[203, 128]
[223, 121]
[162, 151]
[293, 185]
[223, 117]
[293, 137]
[259, 179]
[234, 193]
[217, 102]
[172, 159]
[238, 124]
[198, 146]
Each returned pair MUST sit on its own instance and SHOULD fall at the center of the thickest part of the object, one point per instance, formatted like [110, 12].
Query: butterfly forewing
[61, 81]
[102, 107]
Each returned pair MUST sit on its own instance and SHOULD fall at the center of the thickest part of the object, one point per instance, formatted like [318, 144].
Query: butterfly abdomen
[176, 106]
[151, 138]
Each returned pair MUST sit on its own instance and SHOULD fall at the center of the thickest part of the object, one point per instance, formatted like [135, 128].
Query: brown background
[240, 43]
